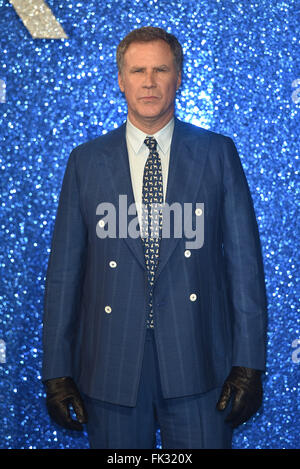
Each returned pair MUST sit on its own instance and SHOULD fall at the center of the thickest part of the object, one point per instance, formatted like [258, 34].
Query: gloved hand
[244, 385]
[61, 392]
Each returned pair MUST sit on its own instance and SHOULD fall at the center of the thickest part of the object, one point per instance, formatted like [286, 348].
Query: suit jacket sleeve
[64, 278]
[244, 266]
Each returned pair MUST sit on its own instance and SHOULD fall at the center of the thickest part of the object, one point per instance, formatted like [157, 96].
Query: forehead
[151, 52]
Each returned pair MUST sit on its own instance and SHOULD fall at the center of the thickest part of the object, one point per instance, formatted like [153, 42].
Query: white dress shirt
[138, 153]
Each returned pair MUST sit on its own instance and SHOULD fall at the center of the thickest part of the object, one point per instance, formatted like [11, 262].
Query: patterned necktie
[152, 198]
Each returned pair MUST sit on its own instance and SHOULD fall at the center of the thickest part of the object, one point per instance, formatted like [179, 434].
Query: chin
[149, 113]
[150, 108]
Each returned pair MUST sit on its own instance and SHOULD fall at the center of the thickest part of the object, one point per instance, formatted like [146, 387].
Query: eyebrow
[136, 67]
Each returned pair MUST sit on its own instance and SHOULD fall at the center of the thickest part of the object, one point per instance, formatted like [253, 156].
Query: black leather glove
[244, 385]
[61, 392]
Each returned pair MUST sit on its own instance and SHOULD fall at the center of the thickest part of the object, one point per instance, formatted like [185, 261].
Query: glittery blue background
[241, 78]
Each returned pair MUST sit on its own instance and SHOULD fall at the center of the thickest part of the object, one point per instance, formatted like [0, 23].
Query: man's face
[149, 80]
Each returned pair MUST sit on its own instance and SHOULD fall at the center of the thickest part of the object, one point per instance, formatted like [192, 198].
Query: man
[140, 332]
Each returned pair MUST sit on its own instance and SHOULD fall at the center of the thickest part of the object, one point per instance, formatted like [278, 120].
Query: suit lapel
[188, 154]
[187, 161]
[120, 180]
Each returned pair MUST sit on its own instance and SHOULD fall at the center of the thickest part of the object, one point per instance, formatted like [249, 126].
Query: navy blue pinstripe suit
[95, 314]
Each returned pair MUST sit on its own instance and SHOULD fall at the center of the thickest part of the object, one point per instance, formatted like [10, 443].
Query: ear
[121, 83]
[178, 80]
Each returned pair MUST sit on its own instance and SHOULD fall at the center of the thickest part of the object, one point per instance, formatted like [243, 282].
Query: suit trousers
[185, 422]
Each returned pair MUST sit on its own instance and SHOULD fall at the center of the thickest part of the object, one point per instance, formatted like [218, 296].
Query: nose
[149, 81]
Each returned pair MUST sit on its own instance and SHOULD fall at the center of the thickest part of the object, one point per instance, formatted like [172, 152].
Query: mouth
[149, 98]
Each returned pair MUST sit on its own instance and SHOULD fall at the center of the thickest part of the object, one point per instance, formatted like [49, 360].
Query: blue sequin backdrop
[241, 78]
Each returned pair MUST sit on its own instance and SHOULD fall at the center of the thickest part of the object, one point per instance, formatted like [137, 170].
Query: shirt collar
[163, 137]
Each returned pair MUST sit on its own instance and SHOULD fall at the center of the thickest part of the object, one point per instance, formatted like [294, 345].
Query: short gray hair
[148, 34]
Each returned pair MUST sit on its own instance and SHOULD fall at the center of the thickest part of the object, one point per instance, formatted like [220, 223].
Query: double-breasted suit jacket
[209, 302]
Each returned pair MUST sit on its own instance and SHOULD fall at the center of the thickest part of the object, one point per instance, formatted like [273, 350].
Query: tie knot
[151, 143]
